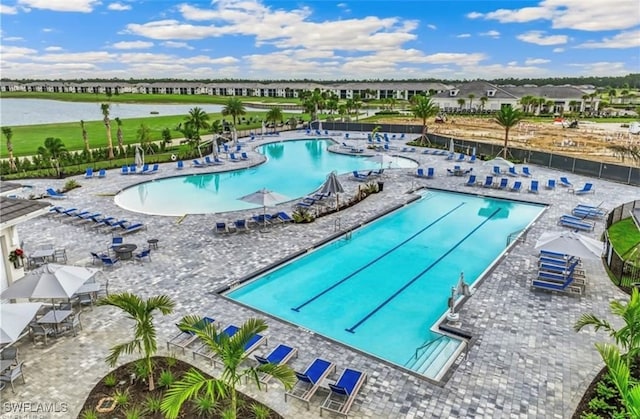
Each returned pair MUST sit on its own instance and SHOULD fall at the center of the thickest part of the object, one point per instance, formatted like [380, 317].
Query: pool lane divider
[415, 278]
[371, 262]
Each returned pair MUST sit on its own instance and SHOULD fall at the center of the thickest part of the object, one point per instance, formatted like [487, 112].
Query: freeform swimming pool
[383, 296]
[293, 168]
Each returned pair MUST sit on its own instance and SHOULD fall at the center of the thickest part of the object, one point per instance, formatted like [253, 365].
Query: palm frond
[591, 320]
[160, 302]
[190, 386]
[120, 349]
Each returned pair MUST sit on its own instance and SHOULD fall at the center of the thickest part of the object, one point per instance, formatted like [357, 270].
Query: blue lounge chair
[233, 157]
[124, 170]
[431, 172]
[587, 188]
[180, 165]
[241, 225]
[504, 183]
[104, 222]
[132, 228]
[488, 182]
[217, 161]
[149, 171]
[262, 219]
[526, 172]
[145, 169]
[496, 170]
[565, 182]
[551, 184]
[205, 351]
[359, 176]
[186, 337]
[284, 217]
[197, 163]
[533, 188]
[566, 286]
[420, 172]
[587, 213]
[471, 181]
[208, 161]
[280, 355]
[451, 156]
[576, 223]
[252, 344]
[343, 393]
[140, 256]
[309, 381]
[97, 257]
[51, 193]
[472, 159]
[512, 171]
[221, 227]
[517, 186]
[109, 262]
[461, 157]
[102, 173]
[89, 173]
[244, 156]
[132, 169]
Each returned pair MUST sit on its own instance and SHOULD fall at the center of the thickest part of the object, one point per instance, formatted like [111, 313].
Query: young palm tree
[461, 103]
[231, 351]
[234, 108]
[53, 150]
[483, 102]
[105, 109]
[628, 336]
[424, 108]
[120, 136]
[198, 120]
[274, 115]
[85, 137]
[471, 96]
[144, 331]
[620, 374]
[8, 133]
[507, 118]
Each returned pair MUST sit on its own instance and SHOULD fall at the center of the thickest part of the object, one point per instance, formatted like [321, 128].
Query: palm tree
[357, 104]
[105, 108]
[85, 137]
[293, 122]
[53, 150]
[507, 117]
[424, 108]
[620, 374]
[8, 133]
[574, 105]
[231, 352]
[274, 115]
[471, 96]
[483, 102]
[119, 136]
[628, 336]
[612, 94]
[144, 331]
[198, 120]
[461, 103]
[234, 108]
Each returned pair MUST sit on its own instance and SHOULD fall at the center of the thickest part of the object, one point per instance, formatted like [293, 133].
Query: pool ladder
[514, 236]
[336, 224]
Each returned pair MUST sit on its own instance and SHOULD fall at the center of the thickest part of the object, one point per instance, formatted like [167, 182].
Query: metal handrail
[427, 344]
[512, 235]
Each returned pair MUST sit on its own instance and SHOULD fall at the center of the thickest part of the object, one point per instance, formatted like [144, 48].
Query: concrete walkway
[526, 361]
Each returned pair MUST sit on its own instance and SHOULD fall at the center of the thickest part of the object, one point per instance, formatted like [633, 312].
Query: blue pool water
[293, 169]
[382, 289]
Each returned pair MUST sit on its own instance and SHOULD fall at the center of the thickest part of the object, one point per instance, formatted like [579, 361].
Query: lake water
[40, 111]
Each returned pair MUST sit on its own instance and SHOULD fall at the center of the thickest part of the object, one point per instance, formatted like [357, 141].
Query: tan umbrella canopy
[265, 198]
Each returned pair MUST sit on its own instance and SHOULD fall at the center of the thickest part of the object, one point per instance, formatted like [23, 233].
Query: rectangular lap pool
[383, 288]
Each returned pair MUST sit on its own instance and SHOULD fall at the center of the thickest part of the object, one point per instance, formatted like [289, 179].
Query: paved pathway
[525, 363]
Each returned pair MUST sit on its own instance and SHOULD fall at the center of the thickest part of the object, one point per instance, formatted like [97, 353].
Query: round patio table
[125, 251]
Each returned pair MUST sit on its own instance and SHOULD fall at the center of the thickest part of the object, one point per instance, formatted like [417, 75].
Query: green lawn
[624, 236]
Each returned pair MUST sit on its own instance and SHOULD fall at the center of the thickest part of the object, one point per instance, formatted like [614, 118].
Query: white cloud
[132, 45]
[94, 57]
[47, 30]
[13, 38]
[534, 61]
[628, 39]
[432, 27]
[10, 53]
[491, 34]
[512, 63]
[572, 14]
[8, 10]
[464, 35]
[603, 68]
[173, 44]
[119, 7]
[53, 49]
[538, 38]
[558, 50]
[84, 6]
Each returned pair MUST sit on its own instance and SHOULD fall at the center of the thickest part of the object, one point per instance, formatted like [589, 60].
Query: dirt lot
[589, 140]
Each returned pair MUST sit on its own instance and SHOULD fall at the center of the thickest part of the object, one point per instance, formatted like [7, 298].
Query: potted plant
[16, 257]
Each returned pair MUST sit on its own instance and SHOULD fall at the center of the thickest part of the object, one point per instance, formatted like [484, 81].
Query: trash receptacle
[380, 186]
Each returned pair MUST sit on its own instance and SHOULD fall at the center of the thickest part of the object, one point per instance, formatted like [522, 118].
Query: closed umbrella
[15, 317]
[570, 243]
[264, 198]
[139, 157]
[452, 148]
[382, 159]
[262, 131]
[332, 186]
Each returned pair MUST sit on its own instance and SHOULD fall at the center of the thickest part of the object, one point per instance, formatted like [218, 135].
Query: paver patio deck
[525, 363]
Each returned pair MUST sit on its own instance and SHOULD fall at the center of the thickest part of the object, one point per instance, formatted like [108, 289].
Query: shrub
[71, 184]
[260, 411]
[110, 380]
[121, 398]
[166, 379]
[134, 412]
[302, 215]
[204, 406]
[89, 414]
[152, 404]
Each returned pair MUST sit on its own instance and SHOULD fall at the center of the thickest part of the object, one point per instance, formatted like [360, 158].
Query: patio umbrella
[265, 198]
[234, 136]
[452, 148]
[332, 186]
[382, 159]
[15, 317]
[262, 131]
[139, 157]
[51, 281]
[499, 161]
[570, 243]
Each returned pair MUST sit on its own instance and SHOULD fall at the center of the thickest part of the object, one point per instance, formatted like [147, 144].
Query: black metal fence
[608, 171]
[626, 273]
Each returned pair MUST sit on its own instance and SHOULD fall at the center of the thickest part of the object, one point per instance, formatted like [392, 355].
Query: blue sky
[321, 39]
